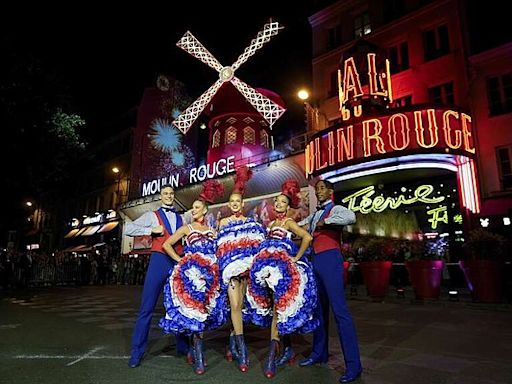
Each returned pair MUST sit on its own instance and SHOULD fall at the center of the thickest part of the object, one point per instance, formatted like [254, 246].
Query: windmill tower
[233, 97]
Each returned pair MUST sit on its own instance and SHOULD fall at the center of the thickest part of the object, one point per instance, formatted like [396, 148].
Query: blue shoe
[231, 351]
[243, 358]
[134, 361]
[311, 361]
[288, 356]
[199, 362]
[348, 378]
[270, 364]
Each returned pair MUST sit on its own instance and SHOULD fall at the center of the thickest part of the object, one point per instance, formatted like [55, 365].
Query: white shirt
[145, 223]
[339, 215]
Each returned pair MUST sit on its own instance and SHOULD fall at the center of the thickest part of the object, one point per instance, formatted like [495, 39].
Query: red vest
[158, 241]
[325, 240]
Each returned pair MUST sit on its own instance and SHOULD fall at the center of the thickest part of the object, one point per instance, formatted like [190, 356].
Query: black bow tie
[167, 209]
[320, 207]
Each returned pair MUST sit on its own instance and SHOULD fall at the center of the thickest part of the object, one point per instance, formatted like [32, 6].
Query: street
[82, 335]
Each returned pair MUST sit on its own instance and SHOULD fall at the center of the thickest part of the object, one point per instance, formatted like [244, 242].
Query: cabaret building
[391, 124]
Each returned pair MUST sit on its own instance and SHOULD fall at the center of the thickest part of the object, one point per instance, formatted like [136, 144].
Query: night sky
[105, 60]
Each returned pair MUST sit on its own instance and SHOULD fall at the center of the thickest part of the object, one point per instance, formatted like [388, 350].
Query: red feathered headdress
[243, 174]
[211, 190]
[291, 189]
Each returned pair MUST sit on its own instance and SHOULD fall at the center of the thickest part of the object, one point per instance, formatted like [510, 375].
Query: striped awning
[72, 233]
[91, 230]
[108, 226]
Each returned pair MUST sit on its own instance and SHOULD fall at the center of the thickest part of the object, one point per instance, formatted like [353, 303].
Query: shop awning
[80, 231]
[108, 226]
[72, 233]
[91, 230]
[78, 248]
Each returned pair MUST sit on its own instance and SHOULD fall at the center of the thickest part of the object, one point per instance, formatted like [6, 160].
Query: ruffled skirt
[237, 243]
[192, 297]
[276, 281]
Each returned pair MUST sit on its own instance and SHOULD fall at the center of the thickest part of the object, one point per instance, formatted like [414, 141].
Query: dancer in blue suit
[325, 225]
[160, 224]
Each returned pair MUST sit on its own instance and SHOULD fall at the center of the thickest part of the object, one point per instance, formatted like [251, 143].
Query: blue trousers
[158, 271]
[328, 269]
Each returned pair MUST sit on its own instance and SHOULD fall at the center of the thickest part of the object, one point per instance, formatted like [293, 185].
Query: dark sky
[107, 58]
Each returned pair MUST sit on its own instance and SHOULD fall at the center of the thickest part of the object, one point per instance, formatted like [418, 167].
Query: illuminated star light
[165, 137]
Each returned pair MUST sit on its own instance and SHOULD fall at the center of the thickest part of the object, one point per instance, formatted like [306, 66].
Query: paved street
[82, 335]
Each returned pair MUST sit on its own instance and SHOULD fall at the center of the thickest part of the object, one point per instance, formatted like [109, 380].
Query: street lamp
[315, 120]
[117, 172]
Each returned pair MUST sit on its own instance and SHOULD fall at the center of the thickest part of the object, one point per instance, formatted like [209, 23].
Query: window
[436, 43]
[249, 136]
[402, 102]
[333, 82]
[499, 94]
[442, 94]
[264, 138]
[216, 139]
[230, 135]
[334, 37]
[399, 57]
[362, 25]
[504, 155]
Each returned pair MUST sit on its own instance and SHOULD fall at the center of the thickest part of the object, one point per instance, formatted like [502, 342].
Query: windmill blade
[270, 111]
[184, 121]
[270, 29]
[190, 44]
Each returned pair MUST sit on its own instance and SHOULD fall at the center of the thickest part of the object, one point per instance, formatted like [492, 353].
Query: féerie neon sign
[364, 202]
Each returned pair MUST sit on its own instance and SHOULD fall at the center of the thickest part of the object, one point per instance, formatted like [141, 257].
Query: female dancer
[192, 297]
[282, 292]
[237, 242]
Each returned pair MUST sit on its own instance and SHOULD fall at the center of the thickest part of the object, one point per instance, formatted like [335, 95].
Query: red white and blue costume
[237, 243]
[275, 280]
[192, 296]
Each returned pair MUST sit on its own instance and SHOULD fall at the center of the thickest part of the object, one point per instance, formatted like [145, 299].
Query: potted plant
[425, 267]
[376, 265]
[483, 267]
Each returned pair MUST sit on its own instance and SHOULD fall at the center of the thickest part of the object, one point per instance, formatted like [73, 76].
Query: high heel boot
[243, 358]
[270, 363]
[231, 350]
[288, 355]
[198, 355]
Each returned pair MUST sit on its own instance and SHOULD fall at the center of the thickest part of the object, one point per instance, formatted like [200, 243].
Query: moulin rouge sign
[356, 139]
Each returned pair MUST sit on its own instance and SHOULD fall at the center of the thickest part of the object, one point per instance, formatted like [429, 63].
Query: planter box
[425, 276]
[376, 277]
[484, 279]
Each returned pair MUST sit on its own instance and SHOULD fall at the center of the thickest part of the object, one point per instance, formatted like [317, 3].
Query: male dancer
[324, 225]
[160, 224]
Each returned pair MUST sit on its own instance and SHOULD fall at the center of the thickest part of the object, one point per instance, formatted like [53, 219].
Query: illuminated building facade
[398, 131]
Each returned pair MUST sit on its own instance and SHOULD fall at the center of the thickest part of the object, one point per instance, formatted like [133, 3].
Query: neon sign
[436, 130]
[350, 87]
[195, 175]
[439, 214]
[362, 200]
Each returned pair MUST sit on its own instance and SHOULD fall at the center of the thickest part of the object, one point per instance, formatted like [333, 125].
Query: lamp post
[117, 172]
[315, 120]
